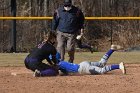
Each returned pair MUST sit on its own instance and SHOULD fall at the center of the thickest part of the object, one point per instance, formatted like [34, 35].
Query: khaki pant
[66, 40]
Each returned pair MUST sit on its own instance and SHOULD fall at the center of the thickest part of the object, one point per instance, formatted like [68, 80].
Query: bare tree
[99, 32]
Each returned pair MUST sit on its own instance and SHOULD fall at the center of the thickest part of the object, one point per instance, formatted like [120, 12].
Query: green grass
[117, 57]
[17, 59]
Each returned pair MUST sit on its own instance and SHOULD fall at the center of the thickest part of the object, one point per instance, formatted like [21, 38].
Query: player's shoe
[37, 73]
[116, 47]
[91, 49]
[122, 67]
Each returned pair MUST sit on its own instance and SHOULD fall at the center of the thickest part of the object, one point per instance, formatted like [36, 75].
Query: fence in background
[22, 48]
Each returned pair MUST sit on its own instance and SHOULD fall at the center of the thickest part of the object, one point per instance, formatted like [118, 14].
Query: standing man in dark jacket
[69, 21]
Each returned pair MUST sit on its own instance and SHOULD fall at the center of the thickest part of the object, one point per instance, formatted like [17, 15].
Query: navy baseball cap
[67, 2]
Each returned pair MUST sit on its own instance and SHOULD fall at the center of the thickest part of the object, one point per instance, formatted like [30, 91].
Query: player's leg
[39, 68]
[31, 63]
[45, 70]
[98, 70]
[105, 58]
[84, 67]
[49, 72]
[71, 46]
[61, 44]
[26, 63]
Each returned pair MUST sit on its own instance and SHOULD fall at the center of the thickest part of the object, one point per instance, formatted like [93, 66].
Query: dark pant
[33, 64]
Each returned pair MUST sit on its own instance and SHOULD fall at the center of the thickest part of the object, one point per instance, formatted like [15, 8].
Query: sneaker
[91, 49]
[116, 47]
[37, 73]
[122, 67]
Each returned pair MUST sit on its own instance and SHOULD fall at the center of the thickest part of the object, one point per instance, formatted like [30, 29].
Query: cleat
[122, 67]
[116, 47]
[37, 73]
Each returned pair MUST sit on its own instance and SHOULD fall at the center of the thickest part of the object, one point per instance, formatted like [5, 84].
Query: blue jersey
[68, 67]
[58, 57]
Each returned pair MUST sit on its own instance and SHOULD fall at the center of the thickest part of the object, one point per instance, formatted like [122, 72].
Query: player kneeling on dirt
[93, 68]
[34, 60]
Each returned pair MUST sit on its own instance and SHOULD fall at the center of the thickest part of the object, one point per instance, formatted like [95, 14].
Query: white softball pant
[93, 67]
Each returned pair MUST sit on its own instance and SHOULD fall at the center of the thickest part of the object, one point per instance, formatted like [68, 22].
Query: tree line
[99, 33]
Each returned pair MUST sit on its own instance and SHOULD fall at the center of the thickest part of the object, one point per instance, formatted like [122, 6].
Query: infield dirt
[112, 82]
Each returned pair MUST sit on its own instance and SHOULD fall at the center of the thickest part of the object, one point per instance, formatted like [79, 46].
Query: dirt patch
[113, 82]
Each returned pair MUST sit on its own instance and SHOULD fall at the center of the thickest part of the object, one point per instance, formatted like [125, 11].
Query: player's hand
[79, 37]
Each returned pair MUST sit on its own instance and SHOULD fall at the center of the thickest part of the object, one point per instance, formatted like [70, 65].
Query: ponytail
[49, 36]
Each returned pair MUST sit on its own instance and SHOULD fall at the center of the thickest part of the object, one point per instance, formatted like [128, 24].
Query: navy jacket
[68, 21]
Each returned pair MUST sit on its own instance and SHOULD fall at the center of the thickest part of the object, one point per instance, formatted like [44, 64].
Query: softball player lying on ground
[93, 68]
[34, 60]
